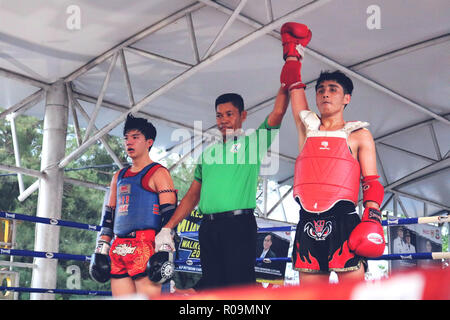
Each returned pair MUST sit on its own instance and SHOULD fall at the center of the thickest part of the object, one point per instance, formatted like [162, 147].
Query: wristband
[102, 247]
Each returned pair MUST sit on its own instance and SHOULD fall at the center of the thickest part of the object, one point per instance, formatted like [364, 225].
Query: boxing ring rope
[396, 256]
[67, 256]
[71, 224]
[385, 223]
[46, 255]
[55, 222]
[60, 291]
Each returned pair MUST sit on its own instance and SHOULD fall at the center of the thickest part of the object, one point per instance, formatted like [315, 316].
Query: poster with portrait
[271, 244]
[409, 239]
[429, 239]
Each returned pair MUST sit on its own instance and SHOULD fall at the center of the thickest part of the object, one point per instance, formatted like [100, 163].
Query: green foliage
[445, 240]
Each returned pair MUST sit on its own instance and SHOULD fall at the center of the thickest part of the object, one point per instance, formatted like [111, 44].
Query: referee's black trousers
[227, 251]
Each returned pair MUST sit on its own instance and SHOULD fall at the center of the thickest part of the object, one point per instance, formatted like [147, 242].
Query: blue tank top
[137, 208]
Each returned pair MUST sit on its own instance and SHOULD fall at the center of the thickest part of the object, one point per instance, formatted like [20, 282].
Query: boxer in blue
[142, 197]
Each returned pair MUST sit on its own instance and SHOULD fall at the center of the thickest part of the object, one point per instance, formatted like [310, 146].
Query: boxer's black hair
[234, 98]
[339, 77]
[142, 125]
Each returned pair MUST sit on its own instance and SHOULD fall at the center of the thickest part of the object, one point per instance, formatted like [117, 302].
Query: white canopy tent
[169, 60]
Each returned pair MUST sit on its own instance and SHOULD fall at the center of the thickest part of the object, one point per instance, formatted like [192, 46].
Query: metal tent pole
[12, 122]
[280, 201]
[51, 188]
[224, 28]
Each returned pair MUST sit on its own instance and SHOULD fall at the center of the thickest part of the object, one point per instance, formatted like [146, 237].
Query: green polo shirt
[229, 171]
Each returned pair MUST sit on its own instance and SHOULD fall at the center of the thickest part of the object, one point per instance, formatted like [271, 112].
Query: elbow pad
[373, 190]
[107, 222]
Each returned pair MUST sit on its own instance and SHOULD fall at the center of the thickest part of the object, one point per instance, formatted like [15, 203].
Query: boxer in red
[142, 196]
[334, 156]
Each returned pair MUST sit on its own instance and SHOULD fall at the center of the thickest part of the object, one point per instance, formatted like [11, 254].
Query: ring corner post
[50, 188]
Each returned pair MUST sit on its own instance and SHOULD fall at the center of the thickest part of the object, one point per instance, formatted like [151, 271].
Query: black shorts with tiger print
[321, 240]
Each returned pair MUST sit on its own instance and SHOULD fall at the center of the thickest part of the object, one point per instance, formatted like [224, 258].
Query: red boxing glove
[290, 76]
[367, 239]
[294, 37]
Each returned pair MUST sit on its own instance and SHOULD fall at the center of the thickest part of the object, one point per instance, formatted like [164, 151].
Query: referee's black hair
[141, 124]
[234, 98]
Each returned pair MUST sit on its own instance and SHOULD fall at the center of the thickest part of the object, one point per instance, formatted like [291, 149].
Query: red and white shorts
[129, 256]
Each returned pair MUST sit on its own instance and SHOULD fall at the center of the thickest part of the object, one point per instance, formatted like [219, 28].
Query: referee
[224, 187]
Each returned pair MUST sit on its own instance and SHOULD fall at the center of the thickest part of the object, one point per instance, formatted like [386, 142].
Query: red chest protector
[325, 170]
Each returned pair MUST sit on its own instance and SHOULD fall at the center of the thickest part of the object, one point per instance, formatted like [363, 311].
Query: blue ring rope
[406, 256]
[396, 256]
[47, 255]
[71, 224]
[66, 256]
[55, 222]
[389, 222]
[60, 291]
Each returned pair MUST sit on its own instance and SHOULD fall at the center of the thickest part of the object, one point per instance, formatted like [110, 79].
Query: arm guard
[373, 190]
[107, 222]
[166, 210]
